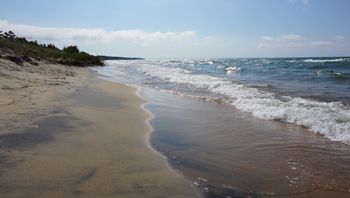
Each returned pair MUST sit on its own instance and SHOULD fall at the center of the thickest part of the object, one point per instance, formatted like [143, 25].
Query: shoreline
[94, 142]
[147, 139]
[147, 121]
[197, 191]
[264, 100]
[298, 163]
[102, 137]
[288, 161]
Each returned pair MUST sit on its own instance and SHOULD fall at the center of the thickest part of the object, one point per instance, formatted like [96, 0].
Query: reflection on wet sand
[229, 153]
[94, 146]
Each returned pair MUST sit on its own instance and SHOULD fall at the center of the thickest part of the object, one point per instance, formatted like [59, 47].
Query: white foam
[230, 70]
[331, 119]
[324, 60]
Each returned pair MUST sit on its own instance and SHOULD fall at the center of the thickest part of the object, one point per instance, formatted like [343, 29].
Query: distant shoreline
[20, 50]
[103, 58]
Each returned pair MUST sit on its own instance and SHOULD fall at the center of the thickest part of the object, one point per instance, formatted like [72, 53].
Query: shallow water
[309, 92]
[229, 153]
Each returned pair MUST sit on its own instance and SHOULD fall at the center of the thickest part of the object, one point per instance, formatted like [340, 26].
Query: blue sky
[186, 28]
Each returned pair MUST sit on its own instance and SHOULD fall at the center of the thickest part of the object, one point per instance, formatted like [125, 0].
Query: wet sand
[228, 153]
[91, 142]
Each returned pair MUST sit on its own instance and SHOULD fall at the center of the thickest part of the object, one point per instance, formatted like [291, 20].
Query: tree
[22, 39]
[51, 46]
[71, 49]
[10, 35]
[35, 42]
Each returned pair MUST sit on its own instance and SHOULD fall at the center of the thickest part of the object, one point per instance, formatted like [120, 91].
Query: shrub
[69, 55]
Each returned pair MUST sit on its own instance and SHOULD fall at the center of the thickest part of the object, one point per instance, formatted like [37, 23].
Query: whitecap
[330, 119]
[230, 70]
[324, 60]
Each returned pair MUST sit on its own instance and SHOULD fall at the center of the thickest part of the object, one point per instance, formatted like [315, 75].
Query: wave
[335, 75]
[262, 85]
[230, 70]
[339, 75]
[325, 60]
[331, 119]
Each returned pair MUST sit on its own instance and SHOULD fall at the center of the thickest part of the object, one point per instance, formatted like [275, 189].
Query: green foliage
[71, 49]
[68, 56]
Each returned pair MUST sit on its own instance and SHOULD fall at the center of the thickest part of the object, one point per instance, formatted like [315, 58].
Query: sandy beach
[67, 133]
[183, 99]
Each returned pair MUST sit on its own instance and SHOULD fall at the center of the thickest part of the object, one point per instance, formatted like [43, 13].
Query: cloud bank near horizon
[129, 42]
[97, 34]
[297, 41]
[179, 44]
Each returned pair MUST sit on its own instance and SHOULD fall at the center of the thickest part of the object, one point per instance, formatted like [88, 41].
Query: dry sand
[27, 89]
[66, 133]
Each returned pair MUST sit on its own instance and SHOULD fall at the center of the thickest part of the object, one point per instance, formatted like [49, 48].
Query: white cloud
[279, 41]
[129, 42]
[283, 38]
[288, 41]
[299, 1]
[339, 38]
[292, 37]
[321, 43]
[298, 45]
[83, 34]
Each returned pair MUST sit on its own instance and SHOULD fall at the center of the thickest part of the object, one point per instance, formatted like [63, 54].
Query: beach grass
[23, 49]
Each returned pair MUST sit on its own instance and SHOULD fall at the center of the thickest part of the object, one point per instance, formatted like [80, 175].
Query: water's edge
[147, 138]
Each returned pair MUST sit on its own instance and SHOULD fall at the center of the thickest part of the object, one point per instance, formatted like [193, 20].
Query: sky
[185, 28]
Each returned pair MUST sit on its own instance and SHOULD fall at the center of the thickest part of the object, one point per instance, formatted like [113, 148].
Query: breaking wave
[325, 60]
[331, 119]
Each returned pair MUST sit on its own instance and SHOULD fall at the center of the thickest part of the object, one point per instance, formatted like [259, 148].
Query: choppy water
[311, 92]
